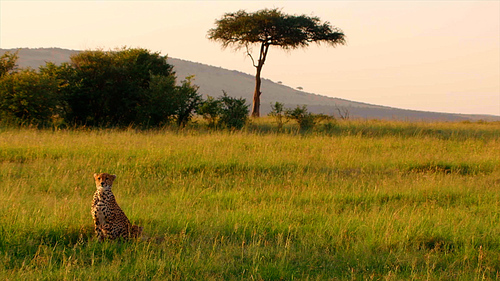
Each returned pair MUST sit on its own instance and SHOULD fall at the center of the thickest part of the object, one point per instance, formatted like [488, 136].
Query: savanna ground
[360, 200]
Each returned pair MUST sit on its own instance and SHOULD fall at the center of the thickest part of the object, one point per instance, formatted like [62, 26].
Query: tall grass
[351, 200]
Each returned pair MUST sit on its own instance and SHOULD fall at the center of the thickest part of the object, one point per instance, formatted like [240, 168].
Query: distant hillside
[212, 80]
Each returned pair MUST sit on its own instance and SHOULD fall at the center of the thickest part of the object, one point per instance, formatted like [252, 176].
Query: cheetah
[109, 220]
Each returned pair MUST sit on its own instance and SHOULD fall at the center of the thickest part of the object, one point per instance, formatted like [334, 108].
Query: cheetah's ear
[95, 176]
[113, 176]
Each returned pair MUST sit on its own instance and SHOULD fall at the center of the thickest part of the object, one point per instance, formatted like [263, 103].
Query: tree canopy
[271, 27]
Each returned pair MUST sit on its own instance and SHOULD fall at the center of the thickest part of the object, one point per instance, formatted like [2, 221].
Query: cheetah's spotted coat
[109, 220]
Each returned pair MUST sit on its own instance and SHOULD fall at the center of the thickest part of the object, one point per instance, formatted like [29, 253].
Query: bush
[234, 112]
[186, 100]
[164, 102]
[120, 88]
[8, 63]
[225, 111]
[97, 88]
[111, 88]
[278, 112]
[210, 109]
[27, 97]
[158, 108]
[305, 119]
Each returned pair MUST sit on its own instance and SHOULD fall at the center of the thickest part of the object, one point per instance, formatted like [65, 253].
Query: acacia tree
[271, 27]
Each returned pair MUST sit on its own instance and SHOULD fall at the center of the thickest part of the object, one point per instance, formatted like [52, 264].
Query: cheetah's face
[104, 180]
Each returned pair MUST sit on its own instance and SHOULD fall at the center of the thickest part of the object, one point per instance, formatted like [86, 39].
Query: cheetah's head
[104, 181]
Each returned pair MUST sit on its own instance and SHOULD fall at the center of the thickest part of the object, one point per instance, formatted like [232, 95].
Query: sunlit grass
[361, 200]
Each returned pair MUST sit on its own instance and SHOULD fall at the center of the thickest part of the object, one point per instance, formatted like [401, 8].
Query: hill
[212, 80]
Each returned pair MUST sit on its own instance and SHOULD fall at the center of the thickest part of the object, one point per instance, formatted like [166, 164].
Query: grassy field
[353, 200]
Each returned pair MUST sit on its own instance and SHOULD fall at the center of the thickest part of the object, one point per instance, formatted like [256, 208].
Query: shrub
[225, 111]
[97, 88]
[210, 109]
[157, 108]
[111, 88]
[305, 119]
[8, 63]
[28, 97]
[185, 100]
[234, 112]
[278, 112]
[120, 88]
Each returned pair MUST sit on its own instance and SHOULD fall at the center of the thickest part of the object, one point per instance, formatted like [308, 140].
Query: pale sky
[424, 55]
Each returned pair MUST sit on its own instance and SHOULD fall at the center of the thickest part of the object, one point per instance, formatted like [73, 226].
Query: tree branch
[250, 55]
[263, 53]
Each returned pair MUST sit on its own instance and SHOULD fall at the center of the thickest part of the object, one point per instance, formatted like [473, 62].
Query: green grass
[362, 200]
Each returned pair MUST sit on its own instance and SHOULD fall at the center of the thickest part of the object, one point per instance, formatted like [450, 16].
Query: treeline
[108, 89]
[121, 88]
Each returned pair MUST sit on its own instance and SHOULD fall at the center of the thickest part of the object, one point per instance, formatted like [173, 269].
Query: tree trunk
[256, 93]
